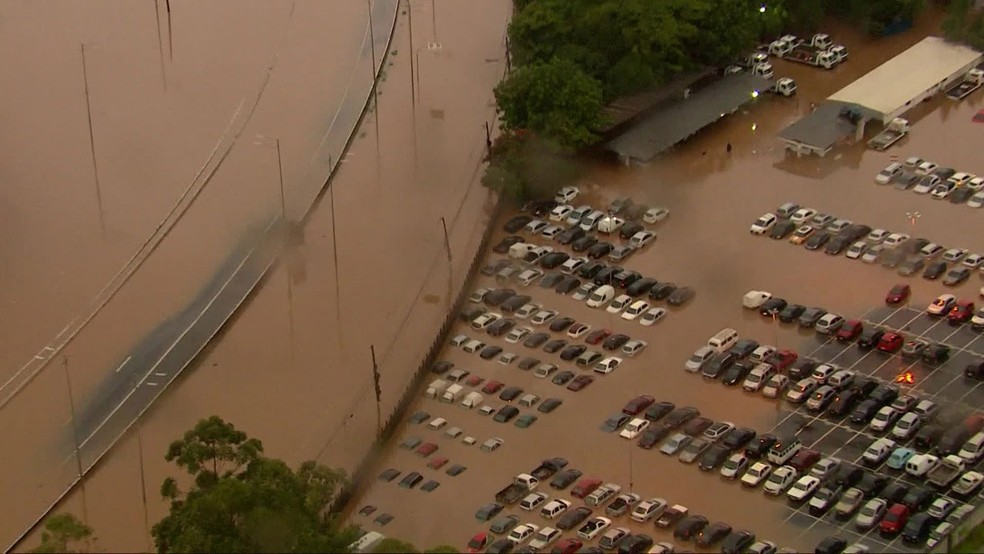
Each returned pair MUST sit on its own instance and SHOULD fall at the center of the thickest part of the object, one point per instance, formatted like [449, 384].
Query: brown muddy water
[713, 197]
[414, 162]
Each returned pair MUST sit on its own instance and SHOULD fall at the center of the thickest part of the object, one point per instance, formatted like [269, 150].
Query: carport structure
[891, 89]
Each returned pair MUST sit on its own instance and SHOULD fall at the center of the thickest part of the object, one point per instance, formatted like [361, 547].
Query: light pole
[913, 217]
[265, 141]
[92, 142]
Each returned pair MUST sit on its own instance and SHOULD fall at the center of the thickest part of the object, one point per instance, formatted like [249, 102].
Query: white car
[735, 465]
[521, 533]
[780, 478]
[533, 501]
[528, 276]
[856, 250]
[939, 534]
[610, 224]
[931, 250]
[535, 226]
[554, 508]
[759, 472]
[578, 330]
[803, 488]
[885, 176]
[954, 255]
[829, 324]
[576, 215]
[940, 508]
[775, 386]
[473, 346]
[762, 353]
[561, 212]
[633, 347]
[960, 178]
[634, 428]
[477, 296]
[883, 418]
[655, 215]
[652, 316]
[584, 291]
[543, 316]
[635, 310]
[527, 310]
[566, 194]
[490, 445]
[878, 451]
[699, 358]
[872, 253]
[544, 538]
[763, 224]
[551, 231]
[942, 305]
[589, 221]
[517, 334]
[593, 527]
[895, 239]
[642, 238]
[927, 167]
[973, 261]
[976, 183]
[802, 390]
[573, 264]
[802, 215]
[754, 299]
[437, 423]
[619, 303]
[977, 200]
[877, 236]
[648, 509]
[758, 377]
[871, 513]
[607, 365]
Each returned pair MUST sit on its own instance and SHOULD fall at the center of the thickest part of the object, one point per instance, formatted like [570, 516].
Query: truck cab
[821, 41]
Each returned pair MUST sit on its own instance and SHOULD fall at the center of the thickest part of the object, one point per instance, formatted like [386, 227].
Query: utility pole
[379, 392]
[334, 253]
[413, 93]
[160, 41]
[170, 42]
[92, 143]
[447, 243]
[75, 442]
[631, 484]
[143, 486]
[375, 93]
[488, 140]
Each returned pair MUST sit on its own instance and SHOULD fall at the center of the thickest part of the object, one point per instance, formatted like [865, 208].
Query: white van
[436, 388]
[472, 400]
[784, 450]
[921, 464]
[723, 340]
[601, 296]
[520, 250]
[366, 542]
[973, 448]
[451, 393]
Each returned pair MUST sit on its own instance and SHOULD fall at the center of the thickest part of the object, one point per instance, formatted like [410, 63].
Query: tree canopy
[63, 533]
[965, 24]
[243, 502]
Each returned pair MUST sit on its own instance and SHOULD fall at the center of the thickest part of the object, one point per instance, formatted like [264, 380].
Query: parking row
[940, 183]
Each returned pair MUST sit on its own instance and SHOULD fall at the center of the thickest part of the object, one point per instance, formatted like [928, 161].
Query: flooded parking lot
[713, 196]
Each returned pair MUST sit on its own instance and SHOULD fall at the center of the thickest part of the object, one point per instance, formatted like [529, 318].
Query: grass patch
[973, 543]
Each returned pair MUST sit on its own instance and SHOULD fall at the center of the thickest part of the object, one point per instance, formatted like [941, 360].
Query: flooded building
[891, 89]
[679, 120]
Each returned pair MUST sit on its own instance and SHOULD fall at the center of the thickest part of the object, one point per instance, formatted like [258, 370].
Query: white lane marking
[123, 364]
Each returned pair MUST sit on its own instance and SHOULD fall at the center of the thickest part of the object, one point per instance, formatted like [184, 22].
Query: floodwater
[713, 197]
[286, 370]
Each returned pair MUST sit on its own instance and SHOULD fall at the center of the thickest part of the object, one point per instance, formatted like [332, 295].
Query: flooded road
[713, 197]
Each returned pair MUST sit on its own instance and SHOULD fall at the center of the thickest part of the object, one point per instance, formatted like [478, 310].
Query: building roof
[675, 122]
[896, 82]
[622, 110]
[823, 127]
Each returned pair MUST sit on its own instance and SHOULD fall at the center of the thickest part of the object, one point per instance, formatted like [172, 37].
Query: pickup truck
[971, 82]
[892, 133]
[548, 468]
[521, 485]
[811, 55]
[946, 472]
[671, 516]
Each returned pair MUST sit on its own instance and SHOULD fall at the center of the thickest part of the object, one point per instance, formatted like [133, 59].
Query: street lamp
[913, 217]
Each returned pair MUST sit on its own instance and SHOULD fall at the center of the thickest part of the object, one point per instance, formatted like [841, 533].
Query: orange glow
[906, 377]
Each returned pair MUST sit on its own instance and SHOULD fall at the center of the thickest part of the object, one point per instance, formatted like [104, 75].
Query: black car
[514, 303]
[905, 180]
[573, 518]
[855, 232]
[626, 277]
[659, 410]
[590, 269]
[500, 327]
[914, 245]
[536, 340]
[554, 346]
[614, 423]
[864, 386]
[844, 403]
[551, 279]
[630, 229]
[744, 348]
[974, 370]
[817, 241]
[917, 528]
[689, 527]
[802, 368]
[554, 260]
[600, 250]
[572, 352]
[497, 296]
[934, 270]
[516, 223]
[565, 478]
[718, 365]
[837, 245]
[528, 363]
[570, 235]
[736, 373]
[549, 405]
[928, 437]
[810, 316]
[584, 243]
[542, 207]
[503, 246]
[866, 410]
[737, 541]
[791, 312]
[894, 492]
[960, 195]
[680, 296]
[772, 306]
[488, 511]
[490, 351]
[562, 378]
[892, 258]
[737, 438]
[615, 341]
[681, 415]
[605, 276]
[662, 291]
[469, 314]
[713, 533]
[848, 475]
[911, 266]
[760, 446]
[869, 337]
[884, 394]
[936, 354]
[782, 229]
[567, 285]
[871, 484]
[641, 286]
[918, 499]
[561, 324]
[831, 545]
[506, 414]
[654, 435]
[509, 394]
[634, 544]
[713, 457]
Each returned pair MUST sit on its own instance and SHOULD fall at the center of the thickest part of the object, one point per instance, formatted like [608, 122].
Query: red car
[479, 542]
[437, 463]
[850, 330]
[585, 486]
[898, 294]
[804, 459]
[580, 382]
[638, 404]
[890, 342]
[596, 336]
[426, 449]
[492, 387]
[961, 312]
[895, 519]
[782, 359]
[474, 381]
[567, 546]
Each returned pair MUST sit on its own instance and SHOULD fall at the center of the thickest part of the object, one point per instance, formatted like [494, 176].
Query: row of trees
[965, 23]
[237, 501]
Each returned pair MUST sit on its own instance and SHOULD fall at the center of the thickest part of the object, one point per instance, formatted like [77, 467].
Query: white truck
[813, 56]
[944, 474]
[786, 44]
[436, 388]
[784, 86]
[472, 400]
[452, 393]
[972, 81]
[892, 133]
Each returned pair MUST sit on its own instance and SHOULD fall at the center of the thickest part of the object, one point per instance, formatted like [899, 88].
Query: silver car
[675, 444]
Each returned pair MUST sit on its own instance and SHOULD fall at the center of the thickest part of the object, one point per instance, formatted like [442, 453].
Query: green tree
[555, 99]
[244, 502]
[394, 546]
[63, 533]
